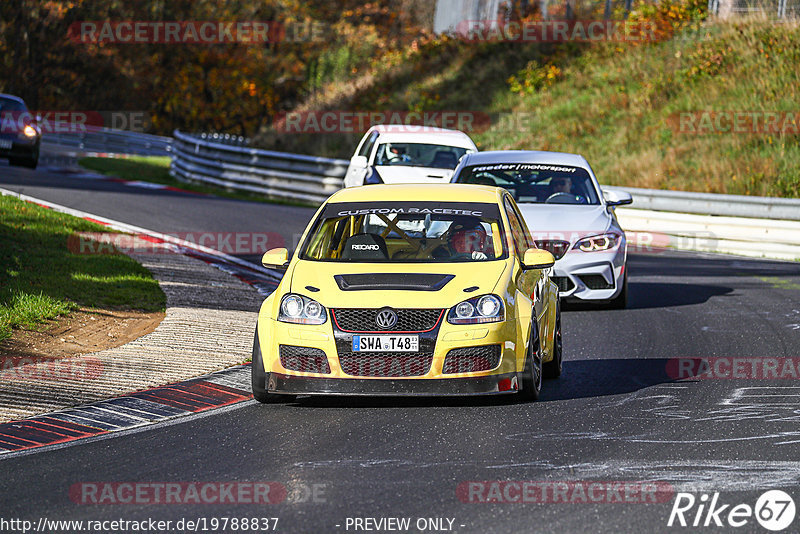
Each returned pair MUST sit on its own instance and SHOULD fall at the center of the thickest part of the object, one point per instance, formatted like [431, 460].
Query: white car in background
[569, 215]
[391, 154]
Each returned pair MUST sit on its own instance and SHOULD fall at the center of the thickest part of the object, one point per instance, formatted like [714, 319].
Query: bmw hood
[400, 285]
[567, 222]
[398, 174]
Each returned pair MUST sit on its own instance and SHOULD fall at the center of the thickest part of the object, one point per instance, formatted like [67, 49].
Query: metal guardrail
[787, 209]
[109, 141]
[780, 9]
[275, 174]
[225, 139]
[760, 238]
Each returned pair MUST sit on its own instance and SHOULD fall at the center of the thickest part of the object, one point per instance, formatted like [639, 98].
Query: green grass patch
[155, 169]
[41, 279]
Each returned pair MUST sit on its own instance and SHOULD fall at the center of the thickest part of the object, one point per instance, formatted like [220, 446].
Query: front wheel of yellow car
[258, 378]
[532, 372]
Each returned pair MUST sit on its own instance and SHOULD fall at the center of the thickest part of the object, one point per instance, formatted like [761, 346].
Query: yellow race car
[417, 289]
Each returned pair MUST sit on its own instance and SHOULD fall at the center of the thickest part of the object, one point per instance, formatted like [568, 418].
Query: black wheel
[620, 302]
[33, 161]
[552, 369]
[532, 373]
[29, 162]
[258, 378]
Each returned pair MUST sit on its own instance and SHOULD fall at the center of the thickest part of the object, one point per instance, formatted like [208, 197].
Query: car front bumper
[18, 146]
[303, 385]
[592, 276]
[337, 377]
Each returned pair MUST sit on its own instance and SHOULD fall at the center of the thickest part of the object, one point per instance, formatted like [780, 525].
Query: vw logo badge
[386, 318]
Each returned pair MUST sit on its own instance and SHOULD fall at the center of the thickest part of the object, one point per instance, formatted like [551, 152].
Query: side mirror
[536, 258]
[615, 197]
[277, 257]
[359, 162]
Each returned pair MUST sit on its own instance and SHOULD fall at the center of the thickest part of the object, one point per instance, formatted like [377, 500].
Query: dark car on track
[20, 136]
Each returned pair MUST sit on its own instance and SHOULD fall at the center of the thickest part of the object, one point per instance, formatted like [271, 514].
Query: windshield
[419, 155]
[406, 232]
[535, 183]
[9, 104]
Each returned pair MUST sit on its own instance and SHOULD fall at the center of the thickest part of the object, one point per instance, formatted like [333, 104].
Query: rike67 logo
[774, 510]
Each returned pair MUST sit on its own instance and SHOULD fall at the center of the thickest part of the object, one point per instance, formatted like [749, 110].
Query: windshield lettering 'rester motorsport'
[534, 182]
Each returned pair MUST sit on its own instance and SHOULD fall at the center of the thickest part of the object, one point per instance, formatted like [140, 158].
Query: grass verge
[155, 169]
[41, 279]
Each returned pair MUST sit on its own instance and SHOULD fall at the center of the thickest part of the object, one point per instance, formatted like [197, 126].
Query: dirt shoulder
[83, 331]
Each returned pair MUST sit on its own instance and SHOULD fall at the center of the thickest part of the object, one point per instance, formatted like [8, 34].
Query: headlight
[301, 310]
[553, 246]
[598, 242]
[29, 131]
[485, 309]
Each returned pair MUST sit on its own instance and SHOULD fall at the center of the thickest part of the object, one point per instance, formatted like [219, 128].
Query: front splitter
[394, 387]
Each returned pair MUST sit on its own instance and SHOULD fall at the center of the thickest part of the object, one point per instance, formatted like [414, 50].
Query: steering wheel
[563, 198]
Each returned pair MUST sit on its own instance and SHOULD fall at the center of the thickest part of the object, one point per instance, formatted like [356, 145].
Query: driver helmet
[467, 236]
[561, 184]
[395, 152]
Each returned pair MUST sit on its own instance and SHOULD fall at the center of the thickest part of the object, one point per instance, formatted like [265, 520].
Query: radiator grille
[472, 359]
[408, 319]
[595, 281]
[386, 364]
[564, 284]
[304, 359]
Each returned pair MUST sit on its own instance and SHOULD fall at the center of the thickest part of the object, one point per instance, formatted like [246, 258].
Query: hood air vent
[392, 281]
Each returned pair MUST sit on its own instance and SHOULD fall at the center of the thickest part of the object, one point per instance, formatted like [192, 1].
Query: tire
[532, 372]
[30, 162]
[259, 378]
[620, 302]
[553, 368]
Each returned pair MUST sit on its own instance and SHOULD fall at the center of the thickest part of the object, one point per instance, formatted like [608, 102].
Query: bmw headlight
[485, 309]
[29, 131]
[301, 310]
[598, 242]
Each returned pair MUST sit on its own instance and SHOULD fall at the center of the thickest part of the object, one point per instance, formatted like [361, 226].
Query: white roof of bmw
[525, 156]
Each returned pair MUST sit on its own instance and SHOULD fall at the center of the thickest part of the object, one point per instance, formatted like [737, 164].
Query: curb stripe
[88, 430]
[61, 429]
[137, 409]
[31, 431]
[16, 443]
[149, 406]
[140, 408]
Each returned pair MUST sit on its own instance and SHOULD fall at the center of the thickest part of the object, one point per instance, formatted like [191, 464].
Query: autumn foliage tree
[230, 87]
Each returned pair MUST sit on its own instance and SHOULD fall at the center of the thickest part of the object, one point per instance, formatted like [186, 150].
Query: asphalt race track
[616, 415]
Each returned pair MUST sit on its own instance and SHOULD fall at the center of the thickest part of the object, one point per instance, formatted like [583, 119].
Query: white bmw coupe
[568, 215]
